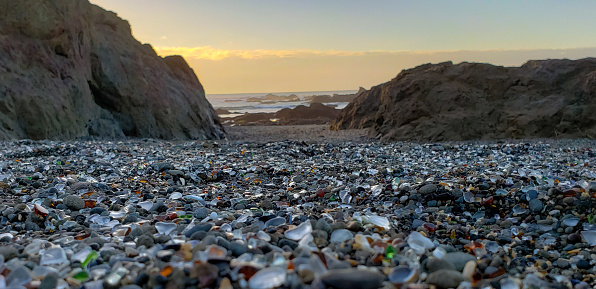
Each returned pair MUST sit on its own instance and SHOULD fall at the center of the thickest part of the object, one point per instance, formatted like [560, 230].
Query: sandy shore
[308, 133]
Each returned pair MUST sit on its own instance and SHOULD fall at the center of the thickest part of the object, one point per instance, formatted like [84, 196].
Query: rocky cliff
[541, 99]
[71, 69]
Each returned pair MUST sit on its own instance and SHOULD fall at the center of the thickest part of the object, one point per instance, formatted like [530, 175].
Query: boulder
[71, 69]
[447, 102]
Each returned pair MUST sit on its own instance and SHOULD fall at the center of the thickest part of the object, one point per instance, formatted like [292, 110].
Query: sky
[240, 46]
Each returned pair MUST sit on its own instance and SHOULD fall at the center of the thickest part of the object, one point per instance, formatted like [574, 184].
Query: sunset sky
[239, 46]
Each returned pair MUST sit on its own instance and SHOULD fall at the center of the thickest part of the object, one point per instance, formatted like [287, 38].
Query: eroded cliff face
[71, 69]
[445, 102]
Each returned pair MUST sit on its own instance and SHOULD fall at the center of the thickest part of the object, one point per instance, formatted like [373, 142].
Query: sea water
[237, 103]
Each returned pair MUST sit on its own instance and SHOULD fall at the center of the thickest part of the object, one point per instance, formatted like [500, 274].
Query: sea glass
[299, 232]
[147, 205]
[402, 274]
[419, 243]
[590, 237]
[268, 278]
[275, 222]
[53, 256]
[571, 222]
[379, 221]
[165, 228]
[340, 236]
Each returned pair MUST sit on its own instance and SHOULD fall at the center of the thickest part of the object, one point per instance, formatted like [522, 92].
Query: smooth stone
[445, 278]
[237, 249]
[583, 264]
[50, 281]
[323, 225]
[200, 213]
[206, 273]
[146, 241]
[288, 242]
[200, 235]
[434, 264]
[353, 279]
[427, 189]
[73, 202]
[201, 227]
[130, 218]
[536, 206]
[354, 226]
[459, 259]
[9, 251]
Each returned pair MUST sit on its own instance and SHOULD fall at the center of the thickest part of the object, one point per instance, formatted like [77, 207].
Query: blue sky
[283, 37]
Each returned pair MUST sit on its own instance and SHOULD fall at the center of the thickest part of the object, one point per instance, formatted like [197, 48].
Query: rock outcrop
[444, 102]
[315, 113]
[332, 98]
[71, 69]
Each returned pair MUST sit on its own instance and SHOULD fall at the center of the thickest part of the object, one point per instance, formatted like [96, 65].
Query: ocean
[236, 103]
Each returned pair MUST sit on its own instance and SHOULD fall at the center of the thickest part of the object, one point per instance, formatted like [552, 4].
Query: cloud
[210, 53]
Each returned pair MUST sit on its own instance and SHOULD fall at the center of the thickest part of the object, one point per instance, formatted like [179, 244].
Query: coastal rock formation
[316, 113]
[441, 102]
[272, 98]
[332, 98]
[71, 69]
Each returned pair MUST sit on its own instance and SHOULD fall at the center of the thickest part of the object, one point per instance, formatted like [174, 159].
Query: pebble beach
[298, 207]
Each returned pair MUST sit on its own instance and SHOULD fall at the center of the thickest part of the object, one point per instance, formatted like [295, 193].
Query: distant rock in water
[222, 111]
[316, 113]
[272, 98]
[440, 102]
[332, 98]
[70, 69]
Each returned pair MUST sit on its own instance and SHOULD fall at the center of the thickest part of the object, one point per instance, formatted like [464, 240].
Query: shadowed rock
[441, 102]
[71, 69]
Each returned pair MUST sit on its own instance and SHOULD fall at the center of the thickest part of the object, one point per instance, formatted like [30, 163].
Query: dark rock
[130, 218]
[8, 251]
[458, 259]
[433, 265]
[562, 263]
[74, 203]
[354, 226]
[146, 241]
[439, 102]
[583, 264]
[202, 227]
[237, 249]
[352, 278]
[323, 225]
[199, 235]
[201, 213]
[536, 206]
[50, 281]
[445, 278]
[427, 189]
[87, 76]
